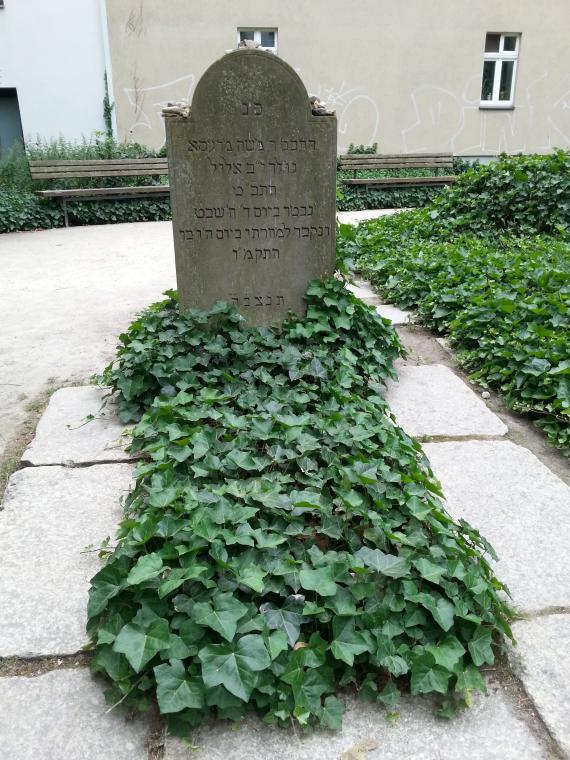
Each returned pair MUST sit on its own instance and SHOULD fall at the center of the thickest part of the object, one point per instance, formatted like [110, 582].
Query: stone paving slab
[430, 400]
[62, 715]
[361, 289]
[63, 436]
[541, 661]
[50, 515]
[520, 506]
[394, 314]
[490, 729]
[355, 217]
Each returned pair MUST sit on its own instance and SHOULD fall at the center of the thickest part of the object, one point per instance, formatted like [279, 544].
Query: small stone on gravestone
[253, 189]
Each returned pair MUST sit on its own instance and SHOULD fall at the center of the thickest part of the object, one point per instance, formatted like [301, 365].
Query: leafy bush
[504, 301]
[358, 198]
[525, 195]
[285, 538]
[363, 149]
[14, 170]
[24, 211]
[115, 211]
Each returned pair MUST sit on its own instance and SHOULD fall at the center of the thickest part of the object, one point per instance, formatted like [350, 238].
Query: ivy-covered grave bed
[285, 540]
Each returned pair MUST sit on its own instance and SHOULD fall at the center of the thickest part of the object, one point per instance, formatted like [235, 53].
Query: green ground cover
[21, 209]
[285, 538]
[489, 265]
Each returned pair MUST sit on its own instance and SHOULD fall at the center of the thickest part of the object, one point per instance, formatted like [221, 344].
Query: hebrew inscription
[252, 176]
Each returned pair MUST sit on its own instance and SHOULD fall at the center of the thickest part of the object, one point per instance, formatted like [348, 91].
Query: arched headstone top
[259, 76]
[253, 189]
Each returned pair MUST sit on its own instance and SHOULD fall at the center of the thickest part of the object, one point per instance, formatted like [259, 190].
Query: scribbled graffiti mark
[447, 121]
[147, 102]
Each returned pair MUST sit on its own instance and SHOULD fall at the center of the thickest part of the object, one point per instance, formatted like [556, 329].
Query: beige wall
[404, 73]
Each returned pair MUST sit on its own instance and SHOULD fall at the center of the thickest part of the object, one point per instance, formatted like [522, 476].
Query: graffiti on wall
[446, 121]
[439, 118]
[147, 102]
[353, 105]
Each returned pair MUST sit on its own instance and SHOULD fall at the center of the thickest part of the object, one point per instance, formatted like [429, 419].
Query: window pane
[245, 36]
[506, 80]
[492, 43]
[267, 39]
[488, 79]
[510, 43]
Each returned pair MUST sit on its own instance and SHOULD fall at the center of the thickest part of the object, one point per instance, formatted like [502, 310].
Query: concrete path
[76, 475]
[65, 296]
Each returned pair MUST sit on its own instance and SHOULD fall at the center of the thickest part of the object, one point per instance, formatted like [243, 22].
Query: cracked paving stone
[541, 661]
[430, 400]
[50, 516]
[489, 729]
[62, 715]
[64, 437]
[520, 507]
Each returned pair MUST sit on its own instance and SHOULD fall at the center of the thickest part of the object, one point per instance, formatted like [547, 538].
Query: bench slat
[86, 173]
[98, 161]
[396, 156]
[377, 166]
[106, 192]
[401, 181]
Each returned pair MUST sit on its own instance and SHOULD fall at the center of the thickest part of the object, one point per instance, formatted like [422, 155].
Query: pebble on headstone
[252, 177]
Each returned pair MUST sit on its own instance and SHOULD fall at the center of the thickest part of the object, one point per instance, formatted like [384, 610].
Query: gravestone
[252, 177]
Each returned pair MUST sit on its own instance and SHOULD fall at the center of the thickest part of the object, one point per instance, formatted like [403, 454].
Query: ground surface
[496, 471]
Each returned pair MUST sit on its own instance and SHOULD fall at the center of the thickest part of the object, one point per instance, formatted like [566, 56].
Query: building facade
[471, 78]
[52, 66]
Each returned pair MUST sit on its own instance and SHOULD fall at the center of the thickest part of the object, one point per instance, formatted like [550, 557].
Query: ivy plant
[284, 539]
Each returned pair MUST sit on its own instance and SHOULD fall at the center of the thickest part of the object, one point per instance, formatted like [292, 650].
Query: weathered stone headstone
[252, 176]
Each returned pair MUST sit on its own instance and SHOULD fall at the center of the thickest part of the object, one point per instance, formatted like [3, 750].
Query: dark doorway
[10, 122]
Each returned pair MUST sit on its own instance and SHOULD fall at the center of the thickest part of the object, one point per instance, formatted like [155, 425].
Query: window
[499, 70]
[267, 38]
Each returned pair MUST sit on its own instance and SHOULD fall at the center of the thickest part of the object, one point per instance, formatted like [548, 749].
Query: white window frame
[499, 57]
[257, 36]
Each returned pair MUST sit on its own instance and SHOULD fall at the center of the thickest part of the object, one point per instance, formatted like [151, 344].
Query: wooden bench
[108, 168]
[435, 162]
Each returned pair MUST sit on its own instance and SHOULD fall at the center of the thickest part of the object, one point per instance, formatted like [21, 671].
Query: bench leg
[65, 213]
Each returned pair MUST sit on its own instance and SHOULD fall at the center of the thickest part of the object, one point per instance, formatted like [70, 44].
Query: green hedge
[25, 211]
[476, 269]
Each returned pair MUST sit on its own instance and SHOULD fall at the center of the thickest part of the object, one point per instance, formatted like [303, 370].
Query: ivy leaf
[480, 647]
[447, 653]
[429, 570]
[426, 678]
[147, 567]
[331, 713]
[242, 459]
[105, 585]
[470, 680]
[139, 644]
[175, 691]
[386, 564]
[347, 642]
[236, 667]
[251, 576]
[308, 690]
[222, 614]
[178, 576]
[390, 695]
[276, 643]
[287, 618]
[319, 580]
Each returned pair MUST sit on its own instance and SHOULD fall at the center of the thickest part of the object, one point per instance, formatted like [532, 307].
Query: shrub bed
[21, 209]
[285, 538]
[503, 299]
